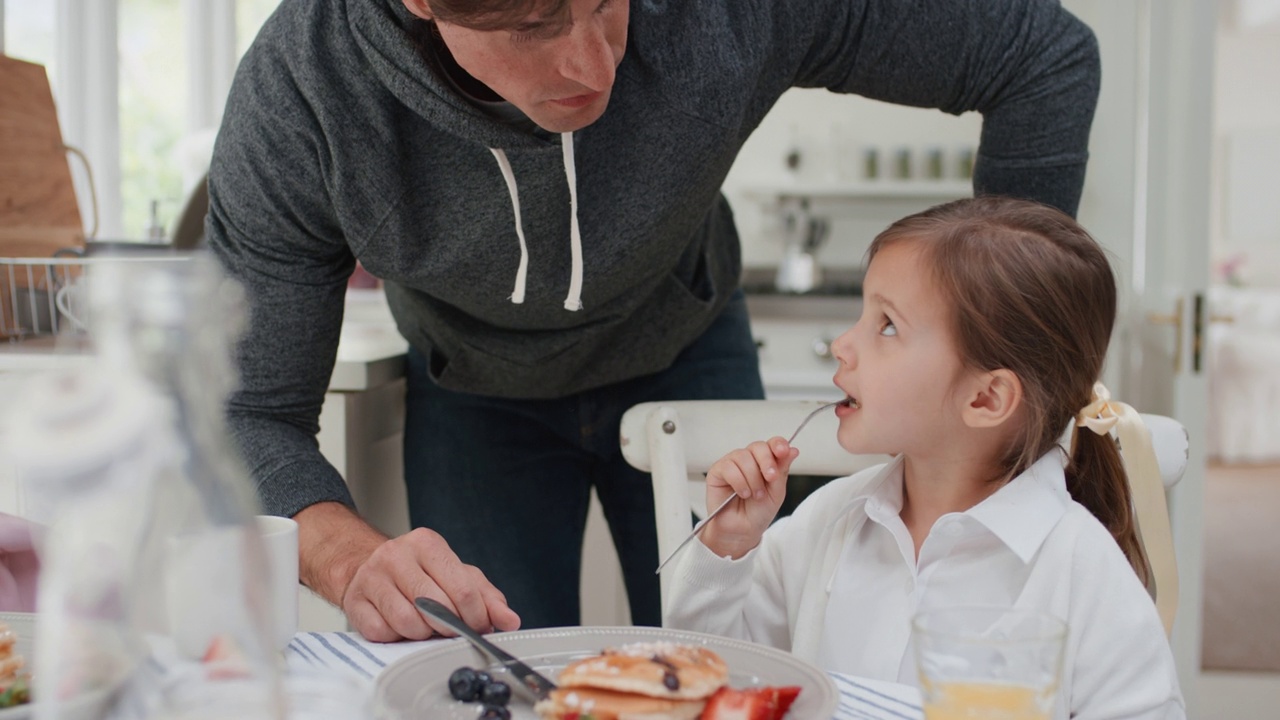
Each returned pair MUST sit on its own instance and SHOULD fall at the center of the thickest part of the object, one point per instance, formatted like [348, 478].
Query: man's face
[559, 71]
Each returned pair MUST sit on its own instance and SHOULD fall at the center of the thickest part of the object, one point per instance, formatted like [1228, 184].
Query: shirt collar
[882, 495]
[1021, 513]
[1026, 509]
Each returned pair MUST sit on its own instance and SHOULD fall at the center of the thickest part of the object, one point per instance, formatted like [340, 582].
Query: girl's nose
[589, 58]
[843, 349]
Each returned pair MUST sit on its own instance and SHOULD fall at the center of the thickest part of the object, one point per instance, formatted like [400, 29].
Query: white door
[1147, 199]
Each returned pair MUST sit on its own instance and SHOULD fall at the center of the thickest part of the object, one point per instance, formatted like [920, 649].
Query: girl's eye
[887, 328]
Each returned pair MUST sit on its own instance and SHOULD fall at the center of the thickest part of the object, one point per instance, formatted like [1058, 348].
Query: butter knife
[531, 679]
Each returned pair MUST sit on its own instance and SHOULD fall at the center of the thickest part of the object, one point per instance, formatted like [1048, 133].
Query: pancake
[659, 670]
[564, 703]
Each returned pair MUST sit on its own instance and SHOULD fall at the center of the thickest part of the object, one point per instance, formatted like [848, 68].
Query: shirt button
[910, 585]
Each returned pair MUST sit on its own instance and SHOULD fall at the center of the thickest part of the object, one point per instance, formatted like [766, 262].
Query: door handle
[1174, 319]
[1197, 340]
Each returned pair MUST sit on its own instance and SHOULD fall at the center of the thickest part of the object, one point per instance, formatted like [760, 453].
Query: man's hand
[374, 579]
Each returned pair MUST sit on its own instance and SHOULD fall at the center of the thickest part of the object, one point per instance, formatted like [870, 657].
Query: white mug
[280, 540]
[203, 578]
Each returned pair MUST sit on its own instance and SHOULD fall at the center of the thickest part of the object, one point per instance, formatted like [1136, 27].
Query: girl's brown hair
[493, 14]
[1031, 291]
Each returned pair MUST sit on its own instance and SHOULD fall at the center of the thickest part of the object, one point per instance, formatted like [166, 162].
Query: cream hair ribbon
[1151, 510]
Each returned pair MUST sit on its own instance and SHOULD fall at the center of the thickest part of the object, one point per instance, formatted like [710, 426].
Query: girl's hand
[757, 474]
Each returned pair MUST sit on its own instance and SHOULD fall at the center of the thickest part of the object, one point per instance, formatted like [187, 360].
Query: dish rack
[49, 296]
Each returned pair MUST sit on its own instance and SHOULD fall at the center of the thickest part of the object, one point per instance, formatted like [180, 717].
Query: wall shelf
[939, 190]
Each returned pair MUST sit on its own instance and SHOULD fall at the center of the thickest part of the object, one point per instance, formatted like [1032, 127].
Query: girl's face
[900, 362]
[558, 71]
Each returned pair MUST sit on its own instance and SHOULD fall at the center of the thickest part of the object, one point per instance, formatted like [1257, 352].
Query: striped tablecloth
[860, 698]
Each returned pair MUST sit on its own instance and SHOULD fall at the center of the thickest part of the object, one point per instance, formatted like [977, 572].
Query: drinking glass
[988, 662]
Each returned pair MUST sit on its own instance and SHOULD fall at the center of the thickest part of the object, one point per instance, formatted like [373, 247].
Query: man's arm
[1030, 67]
[273, 226]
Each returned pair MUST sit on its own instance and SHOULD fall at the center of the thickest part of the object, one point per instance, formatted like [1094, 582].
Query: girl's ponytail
[1096, 479]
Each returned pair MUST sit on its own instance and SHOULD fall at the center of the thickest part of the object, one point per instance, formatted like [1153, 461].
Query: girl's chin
[854, 446]
[858, 445]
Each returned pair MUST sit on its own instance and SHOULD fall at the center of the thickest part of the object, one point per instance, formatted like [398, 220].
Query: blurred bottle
[871, 163]
[124, 457]
[965, 160]
[934, 164]
[902, 164]
[155, 229]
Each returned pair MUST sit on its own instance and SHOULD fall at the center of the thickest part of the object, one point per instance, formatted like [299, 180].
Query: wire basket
[49, 296]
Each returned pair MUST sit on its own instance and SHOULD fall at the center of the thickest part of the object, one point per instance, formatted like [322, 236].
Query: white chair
[678, 441]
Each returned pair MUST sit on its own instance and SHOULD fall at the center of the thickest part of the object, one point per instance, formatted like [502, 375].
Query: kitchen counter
[828, 282]
[370, 352]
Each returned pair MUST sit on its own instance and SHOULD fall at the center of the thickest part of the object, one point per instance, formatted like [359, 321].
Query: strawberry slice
[224, 659]
[760, 703]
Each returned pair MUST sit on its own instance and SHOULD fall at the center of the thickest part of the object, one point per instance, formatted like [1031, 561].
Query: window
[144, 114]
[28, 32]
[153, 89]
[250, 14]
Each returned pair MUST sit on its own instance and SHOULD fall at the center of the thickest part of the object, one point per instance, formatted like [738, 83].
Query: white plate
[82, 707]
[417, 685]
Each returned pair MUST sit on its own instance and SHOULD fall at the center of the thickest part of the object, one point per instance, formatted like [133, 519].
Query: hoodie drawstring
[573, 301]
[517, 295]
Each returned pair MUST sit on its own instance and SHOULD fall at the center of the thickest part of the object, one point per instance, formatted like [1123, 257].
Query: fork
[701, 523]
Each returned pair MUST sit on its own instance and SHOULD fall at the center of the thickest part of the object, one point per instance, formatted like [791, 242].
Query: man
[537, 181]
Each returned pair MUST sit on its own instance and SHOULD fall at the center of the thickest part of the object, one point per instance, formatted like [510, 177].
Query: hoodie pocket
[698, 285]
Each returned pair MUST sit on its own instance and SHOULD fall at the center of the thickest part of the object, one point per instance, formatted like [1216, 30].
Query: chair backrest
[678, 441]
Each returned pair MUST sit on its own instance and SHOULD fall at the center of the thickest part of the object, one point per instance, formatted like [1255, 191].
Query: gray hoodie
[531, 265]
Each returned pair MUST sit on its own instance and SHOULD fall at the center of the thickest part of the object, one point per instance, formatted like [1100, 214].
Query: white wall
[1246, 201]
[831, 132]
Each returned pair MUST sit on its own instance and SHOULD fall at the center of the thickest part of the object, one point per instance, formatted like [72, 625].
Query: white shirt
[837, 584]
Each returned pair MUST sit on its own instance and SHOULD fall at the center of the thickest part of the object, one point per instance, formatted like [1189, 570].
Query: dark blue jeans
[507, 482]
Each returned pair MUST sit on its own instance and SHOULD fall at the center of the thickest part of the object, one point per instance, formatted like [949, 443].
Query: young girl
[983, 330]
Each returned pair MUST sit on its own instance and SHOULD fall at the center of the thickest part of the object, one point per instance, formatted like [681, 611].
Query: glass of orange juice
[992, 663]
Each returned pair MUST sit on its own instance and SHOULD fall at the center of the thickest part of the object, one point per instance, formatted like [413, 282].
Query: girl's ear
[993, 398]
[419, 8]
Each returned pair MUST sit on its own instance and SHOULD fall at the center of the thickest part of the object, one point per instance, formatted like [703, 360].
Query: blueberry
[495, 712]
[496, 693]
[670, 681]
[465, 684]
[485, 678]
